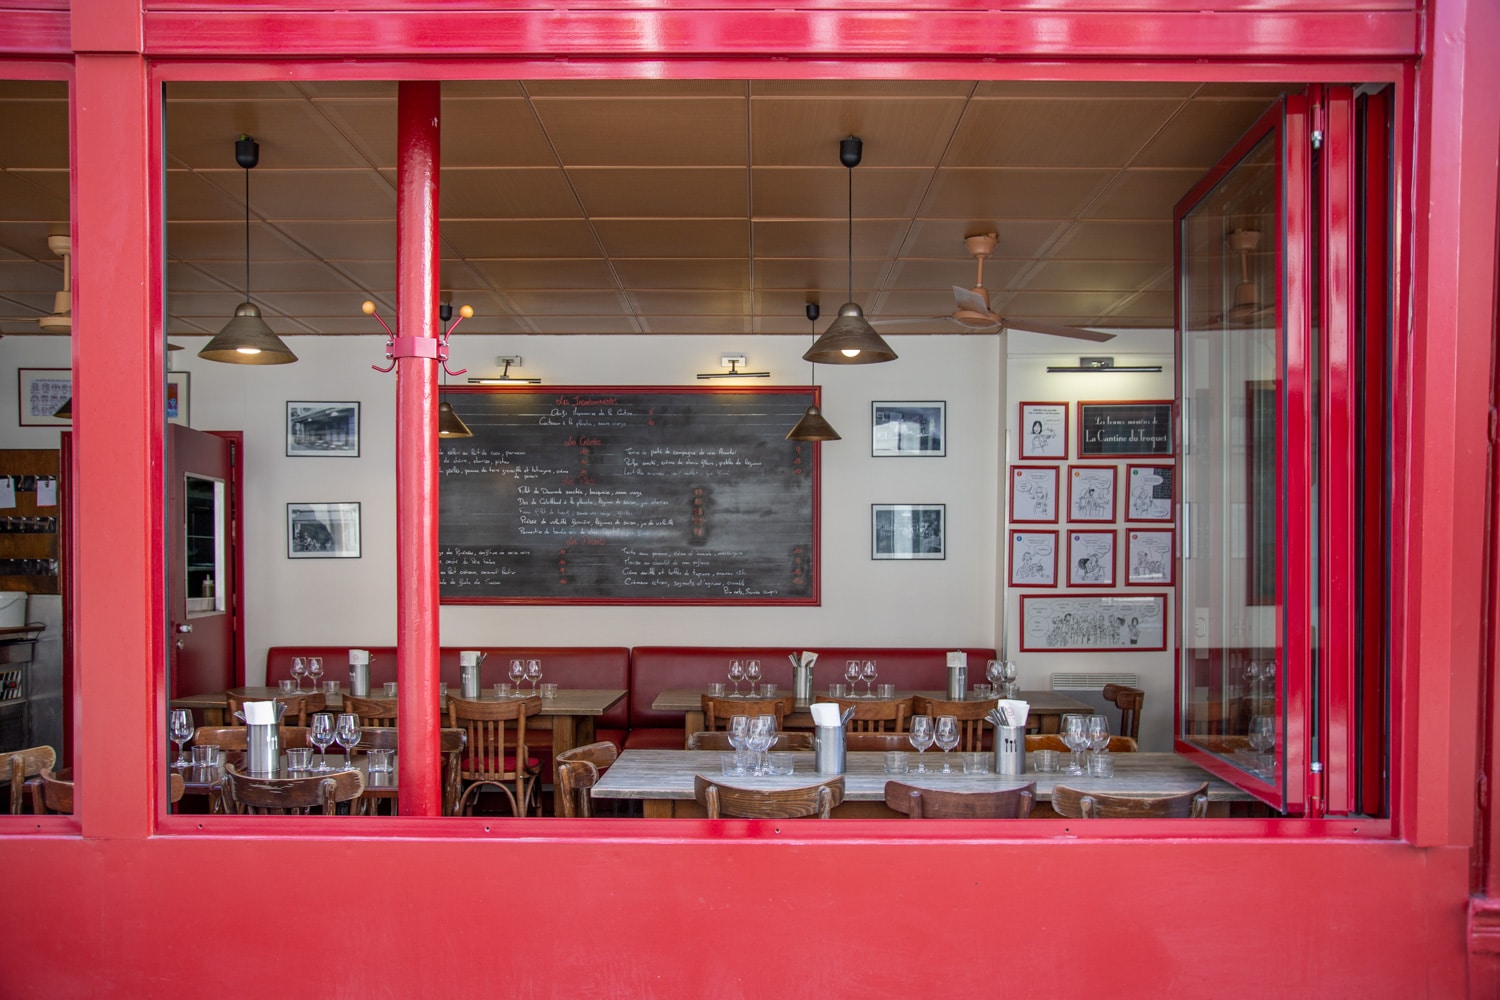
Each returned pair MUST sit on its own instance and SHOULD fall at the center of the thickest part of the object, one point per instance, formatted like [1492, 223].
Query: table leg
[656, 808]
[692, 722]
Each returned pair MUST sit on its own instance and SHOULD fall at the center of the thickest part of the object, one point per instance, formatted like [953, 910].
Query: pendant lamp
[850, 339]
[450, 424]
[812, 426]
[246, 339]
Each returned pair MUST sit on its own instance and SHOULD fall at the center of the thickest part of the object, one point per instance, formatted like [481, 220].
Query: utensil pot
[802, 684]
[471, 680]
[263, 744]
[828, 749]
[958, 682]
[1010, 749]
[359, 680]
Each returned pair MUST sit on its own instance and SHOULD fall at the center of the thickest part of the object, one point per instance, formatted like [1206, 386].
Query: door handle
[184, 628]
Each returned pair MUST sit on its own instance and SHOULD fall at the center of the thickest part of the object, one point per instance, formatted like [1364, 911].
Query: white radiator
[1089, 688]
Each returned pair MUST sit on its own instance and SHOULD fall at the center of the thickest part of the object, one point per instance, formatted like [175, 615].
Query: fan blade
[911, 321]
[1072, 332]
[970, 300]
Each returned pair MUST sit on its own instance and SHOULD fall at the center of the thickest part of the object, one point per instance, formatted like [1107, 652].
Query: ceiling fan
[971, 306]
[60, 319]
[1247, 307]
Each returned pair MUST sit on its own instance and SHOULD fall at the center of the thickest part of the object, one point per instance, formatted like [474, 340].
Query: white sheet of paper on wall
[7, 492]
[46, 492]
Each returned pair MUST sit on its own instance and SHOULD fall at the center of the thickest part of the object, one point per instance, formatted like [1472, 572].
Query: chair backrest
[451, 743]
[1128, 700]
[1051, 741]
[175, 787]
[1076, 804]
[299, 707]
[52, 792]
[948, 803]
[238, 737]
[495, 733]
[716, 710]
[577, 771]
[876, 715]
[876, 742]
[372, 711]
[19, 765]
[768, 803]
[313, 795]
[720, 741]
[970, 715]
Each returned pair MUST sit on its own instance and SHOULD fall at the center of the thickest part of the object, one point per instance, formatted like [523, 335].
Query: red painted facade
[111, 902]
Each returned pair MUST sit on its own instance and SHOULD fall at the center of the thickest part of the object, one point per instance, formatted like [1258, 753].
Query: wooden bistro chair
[970, 715]
[876, 715]
[947, 803]
[768, 803]
[312, 795]
[720, 741]
[175, 788]
[238, 737]
[496, 755]
[1128, 700]
[717, 710]
[1051, 741]
[372, 711]
[21, 765]
[52, 792]
[876, 742]
[299, 707]
[577, 771]
[1075, 804]
[451, 744]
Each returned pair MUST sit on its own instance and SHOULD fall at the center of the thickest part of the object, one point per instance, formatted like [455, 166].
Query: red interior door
[206, 645]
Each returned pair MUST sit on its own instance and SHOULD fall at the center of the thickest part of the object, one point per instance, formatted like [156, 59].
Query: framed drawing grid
[1033, 494]
[1125, 429]
[1033, 557]
[1102, 623]
[1091, 558]
[322, 530]
[904, 430]
[1150, 557]
[907, 530]
[41, 392]
[1150, 492]
[1043, 431]
[1091, 493]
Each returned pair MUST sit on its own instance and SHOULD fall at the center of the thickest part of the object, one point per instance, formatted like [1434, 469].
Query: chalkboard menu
[628, 495]
[1120, 430]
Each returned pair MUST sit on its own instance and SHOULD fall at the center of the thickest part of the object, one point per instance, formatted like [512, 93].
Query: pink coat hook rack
[417, 347]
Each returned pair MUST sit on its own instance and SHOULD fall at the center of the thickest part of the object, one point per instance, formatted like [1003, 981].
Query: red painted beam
[417, 161]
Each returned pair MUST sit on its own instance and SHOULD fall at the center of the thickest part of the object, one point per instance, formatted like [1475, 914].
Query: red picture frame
[1095, 623]
[1032, 563]
[1042, 431]
[1091, 557]
[1143, 500]
[1150, 559]
[1029, 484]
[1091, 493]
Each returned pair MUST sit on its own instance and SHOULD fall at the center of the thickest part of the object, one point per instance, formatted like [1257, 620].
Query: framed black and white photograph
[322, 430]
[1044, 430]
[43, 392]
[1033, 558]
[1150, 492]
[1091, 558]
[1149, 557]
[322, 531]
[179, 399]
[1091, 493]
[900, 430]
[1033, 494]
[1099, 623]
[907, 530]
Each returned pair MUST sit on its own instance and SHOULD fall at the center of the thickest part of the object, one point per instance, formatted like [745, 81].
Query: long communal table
[663, 780]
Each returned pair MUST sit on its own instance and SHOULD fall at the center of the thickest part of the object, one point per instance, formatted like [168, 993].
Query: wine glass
[534, 673]
[736, 674]
[868, 672]
[1263, 738]
[945, 735]
[762, 735]
[299, 670]
[320, 736]
[752, 674]
[995, 673]
[1009, 670]
[920, 738]
[1097, 727]
[851, 674]
[517, 673]
[739, 731]
[1075, 734]
[180, 729]
[347, 734]
[315, 671]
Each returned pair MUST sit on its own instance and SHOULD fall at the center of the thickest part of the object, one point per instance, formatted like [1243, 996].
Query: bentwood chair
[716, 710]
[876, 715]
[768, 803]
[451, 743]
[720, 741]
[577, 771]
[947, 803]
[1076, 804]
[238, 737]
[299, 707]
[312, 795]
[52, 792]
[1051, 741]
[22, 764]
[371, 711]
[876, 742]
[1129, 701]
[175, 788]
[970, 715]
[496, 755]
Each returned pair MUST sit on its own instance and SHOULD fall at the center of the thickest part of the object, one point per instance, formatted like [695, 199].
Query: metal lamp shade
[812, 427]
[450, 424]
[850, 340]
[247, 340]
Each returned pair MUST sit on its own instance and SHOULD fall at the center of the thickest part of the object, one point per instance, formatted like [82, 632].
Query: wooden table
[570, 715]
[663, 780]
[206, 780]
[1047, 707]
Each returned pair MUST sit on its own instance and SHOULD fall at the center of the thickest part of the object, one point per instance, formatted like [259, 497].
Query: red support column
[417, 159]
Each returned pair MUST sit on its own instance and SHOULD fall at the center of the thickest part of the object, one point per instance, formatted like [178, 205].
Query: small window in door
[204, 546]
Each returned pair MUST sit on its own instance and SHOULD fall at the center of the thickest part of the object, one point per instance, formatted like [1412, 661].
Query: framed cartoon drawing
[1091, 558]
[1149, 557]
[1150, 492]
[1091, 493]
[1043, 430]
[1033, 558]
[1033, 494]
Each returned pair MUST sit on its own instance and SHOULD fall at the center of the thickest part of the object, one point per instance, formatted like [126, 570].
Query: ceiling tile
[340, 240]
[686, 273]
[699, 325]
[505, 193]
[205, 241]
[44, 125]
[1155, 306]
[1025, 239]
[605, 89]
[674, 238]
[292, 135]
[578, 302]
[897, 131]
[792, 303]
[308, 194]
[1061, 307]
[877, 238]
[1145, 194]
[22, 198]
[205, 305]
[584, 324]
[905, 89]
[991, 194]
[638, 133]
[521, 238]
[1055, 133]
[702, 303]
[1082, 90]
[559, 273]
[1092, 275]
[944, 274]
[1201, 134]
[192, 197]
[270, 276]
[1118, 241]
[690, 192]
[812, 273]
[823, 192]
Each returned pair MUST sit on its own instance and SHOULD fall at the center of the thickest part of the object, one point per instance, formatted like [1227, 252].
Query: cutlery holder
[802, 684]
[958, 682]
[471, 680]
[263, 746]
[359, 680]
[828, 749]
[1010, 749]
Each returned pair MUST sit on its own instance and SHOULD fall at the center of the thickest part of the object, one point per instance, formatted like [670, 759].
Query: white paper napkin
[260, 713]
[1016, 708]
[825, 713]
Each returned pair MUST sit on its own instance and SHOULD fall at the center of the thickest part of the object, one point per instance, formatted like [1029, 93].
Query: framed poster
[1149, 557]
[1125, 429]
[42, 392]
[1097, 622]
[907, 530]
[1033, 558]
[1091, 493]
[907, 429]
[1043, 430]
[1033, 494]
[179, 401]
[322, 531]
[322, 430]
[1091, 558]
[1150, 492]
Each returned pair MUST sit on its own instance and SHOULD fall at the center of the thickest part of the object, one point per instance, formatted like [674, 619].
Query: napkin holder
[263, 737]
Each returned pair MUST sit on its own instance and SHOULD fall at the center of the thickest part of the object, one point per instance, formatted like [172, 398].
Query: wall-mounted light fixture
[1102, 366]
[505, 377]
[733, 362]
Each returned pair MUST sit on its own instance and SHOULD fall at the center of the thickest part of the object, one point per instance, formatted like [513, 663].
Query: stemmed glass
[517, 674]
[736, 674]
[180, 729]
[299, 670]
[1262, 737]
[1008, 670]
[320, 736]
[347, 735]
[762, 735]
[921, 738]
[534, 673]
[994, 672]
[1075, 734]
[739, 732]
[752, 674]
[1097, 728]
[868, 672]
[315, 671]
[945, 735]
[851, 674]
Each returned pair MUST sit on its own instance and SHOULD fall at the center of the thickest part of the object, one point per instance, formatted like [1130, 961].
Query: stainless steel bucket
[264, 746]
[828, 749]
[1010, 749]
